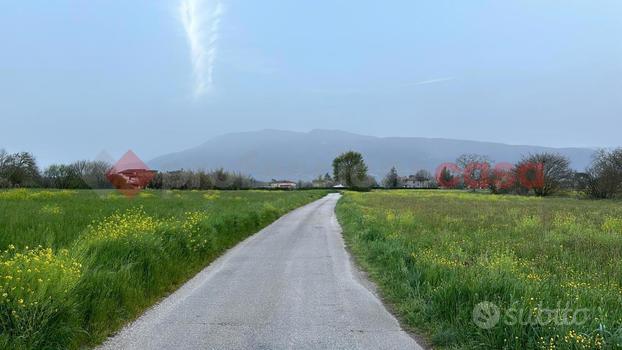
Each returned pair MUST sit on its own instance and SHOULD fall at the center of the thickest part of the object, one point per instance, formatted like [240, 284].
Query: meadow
[77, 265]
[479, 271]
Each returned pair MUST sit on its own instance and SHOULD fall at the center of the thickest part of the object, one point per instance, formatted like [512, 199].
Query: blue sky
[78, 77]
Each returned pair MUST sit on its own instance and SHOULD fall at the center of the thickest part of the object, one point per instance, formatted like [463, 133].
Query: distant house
[284, 185]
[412, 182]
[339, 186]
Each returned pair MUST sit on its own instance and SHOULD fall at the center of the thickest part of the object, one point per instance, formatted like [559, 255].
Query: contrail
[432, 81]
[201, 21]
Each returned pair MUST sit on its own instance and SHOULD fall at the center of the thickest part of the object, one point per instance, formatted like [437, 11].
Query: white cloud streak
[434, 81]
[201, 21]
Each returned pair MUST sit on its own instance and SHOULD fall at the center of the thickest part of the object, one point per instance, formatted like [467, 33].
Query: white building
[284, 185]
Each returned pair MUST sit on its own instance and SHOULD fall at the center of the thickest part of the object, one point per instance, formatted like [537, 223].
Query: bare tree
[605, 174]
[465, 159]
[546, 172]
[19, 169]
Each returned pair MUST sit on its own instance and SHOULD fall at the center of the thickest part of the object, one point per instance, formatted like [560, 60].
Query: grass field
[75, 266]
[534, 273]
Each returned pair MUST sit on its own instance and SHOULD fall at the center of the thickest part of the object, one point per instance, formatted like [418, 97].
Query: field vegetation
[76, 265]
[480, 271]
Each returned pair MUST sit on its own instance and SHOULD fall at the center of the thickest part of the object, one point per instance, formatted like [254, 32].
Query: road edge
[364, 278]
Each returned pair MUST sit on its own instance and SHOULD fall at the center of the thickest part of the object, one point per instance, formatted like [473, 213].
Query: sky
[81, 77]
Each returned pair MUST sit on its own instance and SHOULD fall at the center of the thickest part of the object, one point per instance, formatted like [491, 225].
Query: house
[412, 182]
[284, 185]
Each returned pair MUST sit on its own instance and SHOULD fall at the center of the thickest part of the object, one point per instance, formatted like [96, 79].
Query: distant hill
[280, 154]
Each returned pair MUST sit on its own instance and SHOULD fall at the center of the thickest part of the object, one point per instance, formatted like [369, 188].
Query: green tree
[349, 169]
[392, 179]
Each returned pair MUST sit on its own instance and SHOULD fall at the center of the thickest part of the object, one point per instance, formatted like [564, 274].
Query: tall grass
[75, 266]
[437, 255]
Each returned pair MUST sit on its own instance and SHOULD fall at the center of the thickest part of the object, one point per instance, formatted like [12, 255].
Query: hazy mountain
[279, 154]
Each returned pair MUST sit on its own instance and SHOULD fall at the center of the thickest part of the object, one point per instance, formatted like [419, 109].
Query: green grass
[437, 254]
[76, 266]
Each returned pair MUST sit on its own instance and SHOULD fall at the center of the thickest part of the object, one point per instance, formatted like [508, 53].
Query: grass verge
[477, 271]
[75, 266]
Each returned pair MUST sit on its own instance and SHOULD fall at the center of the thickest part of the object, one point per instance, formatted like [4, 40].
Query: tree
[59, 176]
[80, 174]
[503, 179]
[369, 182]
[322, 181]
[92, 173]
[19, 169]
[604, 177]
[446, 176]
[475, 170]
[205, 181]
[349, 168]
[3, 157]
[392, 179]
[464, 160]
[4, 182]
[191, 180]
[423, 176]
[545, 173]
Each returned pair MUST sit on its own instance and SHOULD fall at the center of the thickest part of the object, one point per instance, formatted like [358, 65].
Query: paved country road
[290, 286]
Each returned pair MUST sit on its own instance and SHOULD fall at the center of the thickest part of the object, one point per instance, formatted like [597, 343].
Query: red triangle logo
[130, 174]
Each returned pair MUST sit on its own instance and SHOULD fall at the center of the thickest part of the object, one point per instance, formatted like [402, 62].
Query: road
[290, 286]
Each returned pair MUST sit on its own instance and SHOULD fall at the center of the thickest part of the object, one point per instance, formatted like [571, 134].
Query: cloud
[201, 21]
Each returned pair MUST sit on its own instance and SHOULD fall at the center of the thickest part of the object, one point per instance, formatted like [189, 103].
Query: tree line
[541, 174]
[21, 170]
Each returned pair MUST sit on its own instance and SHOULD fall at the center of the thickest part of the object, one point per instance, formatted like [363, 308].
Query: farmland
[470, 270]
[77, 265]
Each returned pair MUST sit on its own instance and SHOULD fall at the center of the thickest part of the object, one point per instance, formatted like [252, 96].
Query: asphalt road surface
[290, 286]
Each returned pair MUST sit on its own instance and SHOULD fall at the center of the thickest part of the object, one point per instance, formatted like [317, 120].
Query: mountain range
[278, 154]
